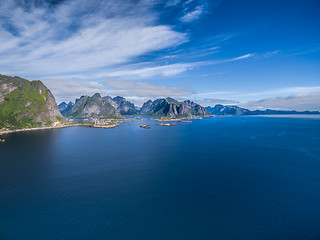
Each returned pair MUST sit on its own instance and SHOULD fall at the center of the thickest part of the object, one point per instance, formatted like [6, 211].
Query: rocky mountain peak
[26, 103]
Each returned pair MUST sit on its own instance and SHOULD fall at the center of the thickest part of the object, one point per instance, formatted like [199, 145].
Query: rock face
[97, 106]
[25, 104]
[123, 106]
[147, 108]
[173, 109]
[63, 107]
[94, 106]
[196, 109]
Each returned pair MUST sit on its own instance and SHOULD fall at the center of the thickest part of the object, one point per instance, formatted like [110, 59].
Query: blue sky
[256, 54]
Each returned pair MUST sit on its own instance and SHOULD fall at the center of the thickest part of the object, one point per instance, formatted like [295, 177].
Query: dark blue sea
[217, 178]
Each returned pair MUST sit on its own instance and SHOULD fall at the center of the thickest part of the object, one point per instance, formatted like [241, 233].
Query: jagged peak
[107, 97]
[96, 95]
[119, 98]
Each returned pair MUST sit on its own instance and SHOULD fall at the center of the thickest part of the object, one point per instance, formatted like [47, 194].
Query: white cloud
[212, 93]
[291, 98]
[299, 102]
[188, 2]
[249, 55]
[193, 15]
[271, 54]
[283, 91]
[145, 70]
[168, 70]
[148, 72]
[75, 37]
[134, 90]
[171, 3]
[213, 102]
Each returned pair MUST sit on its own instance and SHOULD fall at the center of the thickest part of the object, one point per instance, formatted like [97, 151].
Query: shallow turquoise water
[216, 178]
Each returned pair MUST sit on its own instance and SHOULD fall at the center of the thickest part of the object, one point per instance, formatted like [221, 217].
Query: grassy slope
[14, 112]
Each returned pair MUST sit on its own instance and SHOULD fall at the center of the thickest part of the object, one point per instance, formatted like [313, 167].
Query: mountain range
[235, 110]
[97, 106]
[94, 106]
[172, 108]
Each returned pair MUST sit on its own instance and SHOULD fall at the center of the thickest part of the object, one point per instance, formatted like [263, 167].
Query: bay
[217, 178]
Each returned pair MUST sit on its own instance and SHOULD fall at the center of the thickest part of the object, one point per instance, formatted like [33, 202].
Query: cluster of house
[101, 121]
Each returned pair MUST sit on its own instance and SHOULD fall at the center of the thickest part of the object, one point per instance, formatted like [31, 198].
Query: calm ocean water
[216, 178]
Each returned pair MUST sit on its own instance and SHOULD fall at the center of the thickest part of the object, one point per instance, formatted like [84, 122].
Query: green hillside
[25, 104]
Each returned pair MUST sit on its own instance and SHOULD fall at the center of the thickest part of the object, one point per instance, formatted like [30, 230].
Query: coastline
[38, 128]
[55, 127]
[187, 119]
[106, 126]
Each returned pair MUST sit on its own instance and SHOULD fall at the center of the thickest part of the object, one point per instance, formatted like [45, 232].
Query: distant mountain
[94, 106]
[235, 110]
[63, 107]
[25, 104]
[172, 108]
[123, 106]
[227, 110]
[97, 106]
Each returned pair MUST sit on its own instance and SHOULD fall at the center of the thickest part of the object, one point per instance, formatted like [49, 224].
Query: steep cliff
[123, 106]
[94, 106]
[227, 110]
[64, 107]
[172, 108]
[25, 104]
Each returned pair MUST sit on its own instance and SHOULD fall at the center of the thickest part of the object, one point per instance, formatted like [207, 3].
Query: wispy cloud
[281, 91]
[138, 90]
[144, 70]
[138, 71]
[291, 98]
[308, 49]
[171, 3]
[271, 54]
[249, 55]
[194, 14]
[212, 93]
[300, 102]
[212, 102]
[79, 36]
[148, 72]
